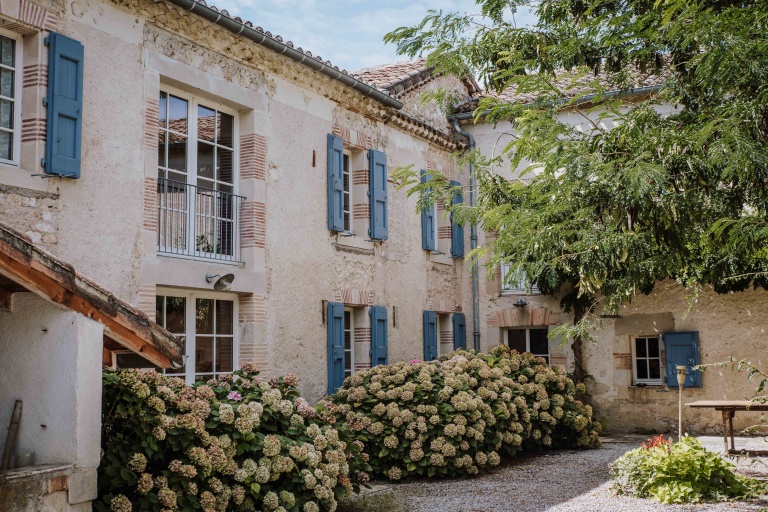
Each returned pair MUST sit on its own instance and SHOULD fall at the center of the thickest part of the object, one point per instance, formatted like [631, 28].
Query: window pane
[204, 316]
[206, 120]
[6, 83]
[516, 339]
[226, 129]
[224, 317]
[175, 313]
[641, 349]
[183, 369]
[224, 354]
[539, 342]
[160, 310]
[224, 165]
[161, 147]
[177, 152]
[642, 368]
[654, 368]
[6, 145]
[6, 114]
[204, 160]
[204, 354]
[177, 114]
[7, 51]
[653, 347]
[163, 108]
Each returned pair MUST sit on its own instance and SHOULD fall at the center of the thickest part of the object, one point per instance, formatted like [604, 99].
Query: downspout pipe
[472, 237]
[639, 91]
[259, 37]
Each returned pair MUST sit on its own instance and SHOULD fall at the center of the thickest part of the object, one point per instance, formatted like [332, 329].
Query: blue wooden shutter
[335, 346]
[430, 335]
[682, 348]
[457, 230]
[378, 335]
[427, 221]
[377, 166]
[65, 106]
[335, 183]
[459, 331]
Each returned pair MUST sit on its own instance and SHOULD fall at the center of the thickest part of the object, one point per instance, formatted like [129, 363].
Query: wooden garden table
[729, 409]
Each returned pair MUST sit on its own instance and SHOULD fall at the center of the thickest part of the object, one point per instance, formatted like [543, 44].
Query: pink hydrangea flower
[415, 361]
[234, 395]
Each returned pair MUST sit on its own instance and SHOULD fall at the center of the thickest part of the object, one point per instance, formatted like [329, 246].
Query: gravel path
[560, 481]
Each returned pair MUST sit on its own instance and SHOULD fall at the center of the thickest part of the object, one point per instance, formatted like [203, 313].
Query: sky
[349, 33]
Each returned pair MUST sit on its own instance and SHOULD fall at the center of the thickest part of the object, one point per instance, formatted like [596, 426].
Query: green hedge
[459, 415]
[232, 444]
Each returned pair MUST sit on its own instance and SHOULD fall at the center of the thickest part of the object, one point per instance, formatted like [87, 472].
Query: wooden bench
[729, 409]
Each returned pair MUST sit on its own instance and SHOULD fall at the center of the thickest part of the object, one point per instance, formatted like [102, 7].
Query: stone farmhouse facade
[236, 190]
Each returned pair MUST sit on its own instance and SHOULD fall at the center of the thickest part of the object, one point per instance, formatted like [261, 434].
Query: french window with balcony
[198, 209]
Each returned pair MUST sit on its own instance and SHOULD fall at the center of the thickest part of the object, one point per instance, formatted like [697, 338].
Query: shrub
[683, 472]
[243, 443]
[459, 415]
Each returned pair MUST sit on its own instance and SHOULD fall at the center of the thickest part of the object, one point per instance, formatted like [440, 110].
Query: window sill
[442, 259]
[513, 293]
[353, 242]
[15, 176]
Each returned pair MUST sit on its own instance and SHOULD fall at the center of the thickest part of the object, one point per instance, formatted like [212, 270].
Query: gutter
[259, 37]
[639, 91]
[472, 238]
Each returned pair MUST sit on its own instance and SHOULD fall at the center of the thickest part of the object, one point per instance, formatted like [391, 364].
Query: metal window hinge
[47, 41]
[45, 102]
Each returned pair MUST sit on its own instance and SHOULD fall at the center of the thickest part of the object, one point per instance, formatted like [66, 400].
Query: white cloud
[349, 33]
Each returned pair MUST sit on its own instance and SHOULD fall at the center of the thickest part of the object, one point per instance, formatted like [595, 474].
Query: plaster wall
[307, 264]
[52, 362]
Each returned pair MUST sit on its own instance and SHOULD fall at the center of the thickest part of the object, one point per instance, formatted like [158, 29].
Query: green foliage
[683, 472]
[618, 194]
[459, 415]
[242, 443]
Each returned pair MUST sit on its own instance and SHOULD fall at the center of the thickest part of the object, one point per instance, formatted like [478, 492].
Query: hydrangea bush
[459, 415]
[244, 443]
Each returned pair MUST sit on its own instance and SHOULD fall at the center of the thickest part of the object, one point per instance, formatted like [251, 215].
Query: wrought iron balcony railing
[197, 222]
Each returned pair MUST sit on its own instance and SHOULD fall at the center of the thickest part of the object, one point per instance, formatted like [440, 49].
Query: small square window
[534, 340]
[646, 360]
[516, 286]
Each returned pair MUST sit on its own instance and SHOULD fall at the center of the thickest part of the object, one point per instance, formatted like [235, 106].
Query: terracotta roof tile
[397, 78]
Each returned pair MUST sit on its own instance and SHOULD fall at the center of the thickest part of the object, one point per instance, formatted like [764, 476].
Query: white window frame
[191, 336]
[351, 352]
[347, 196]
[17, 99]
[517, 288]
[647, 382]
[505, 334]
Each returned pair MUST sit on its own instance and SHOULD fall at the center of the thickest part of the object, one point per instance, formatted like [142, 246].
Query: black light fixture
[521, 303]
[223, 283]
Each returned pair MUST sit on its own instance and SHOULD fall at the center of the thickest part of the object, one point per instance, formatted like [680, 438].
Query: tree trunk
[578, 349]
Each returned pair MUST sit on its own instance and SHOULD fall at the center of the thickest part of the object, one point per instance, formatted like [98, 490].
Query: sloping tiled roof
[25, 266]
[571, 87]
[397, 78]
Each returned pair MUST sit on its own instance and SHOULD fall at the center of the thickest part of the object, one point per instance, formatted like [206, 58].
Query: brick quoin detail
[253, 309]
[35, 75]
[446, 336]
[444, 232]
[150, 204]
[151, 123]
[33, 129]
[361, 211]
[354, 297]
[147, 300]
[254, 225]
[253, 157]
[362, 334]
[37, 16]
[360, 177]
[622, 361]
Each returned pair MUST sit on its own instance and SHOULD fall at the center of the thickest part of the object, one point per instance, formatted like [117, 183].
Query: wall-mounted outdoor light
[521, 303]
[223, 283]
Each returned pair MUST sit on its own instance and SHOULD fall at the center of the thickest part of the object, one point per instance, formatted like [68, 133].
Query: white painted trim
[633, 348]
[18, 70]
[191, 296]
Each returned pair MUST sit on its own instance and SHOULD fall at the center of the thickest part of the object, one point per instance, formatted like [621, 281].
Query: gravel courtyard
[559, 481]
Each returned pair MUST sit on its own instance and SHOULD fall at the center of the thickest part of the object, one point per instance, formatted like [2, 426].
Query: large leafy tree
[629, 196]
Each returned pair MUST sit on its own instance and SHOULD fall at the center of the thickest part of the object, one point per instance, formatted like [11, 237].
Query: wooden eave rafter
[45, 275]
